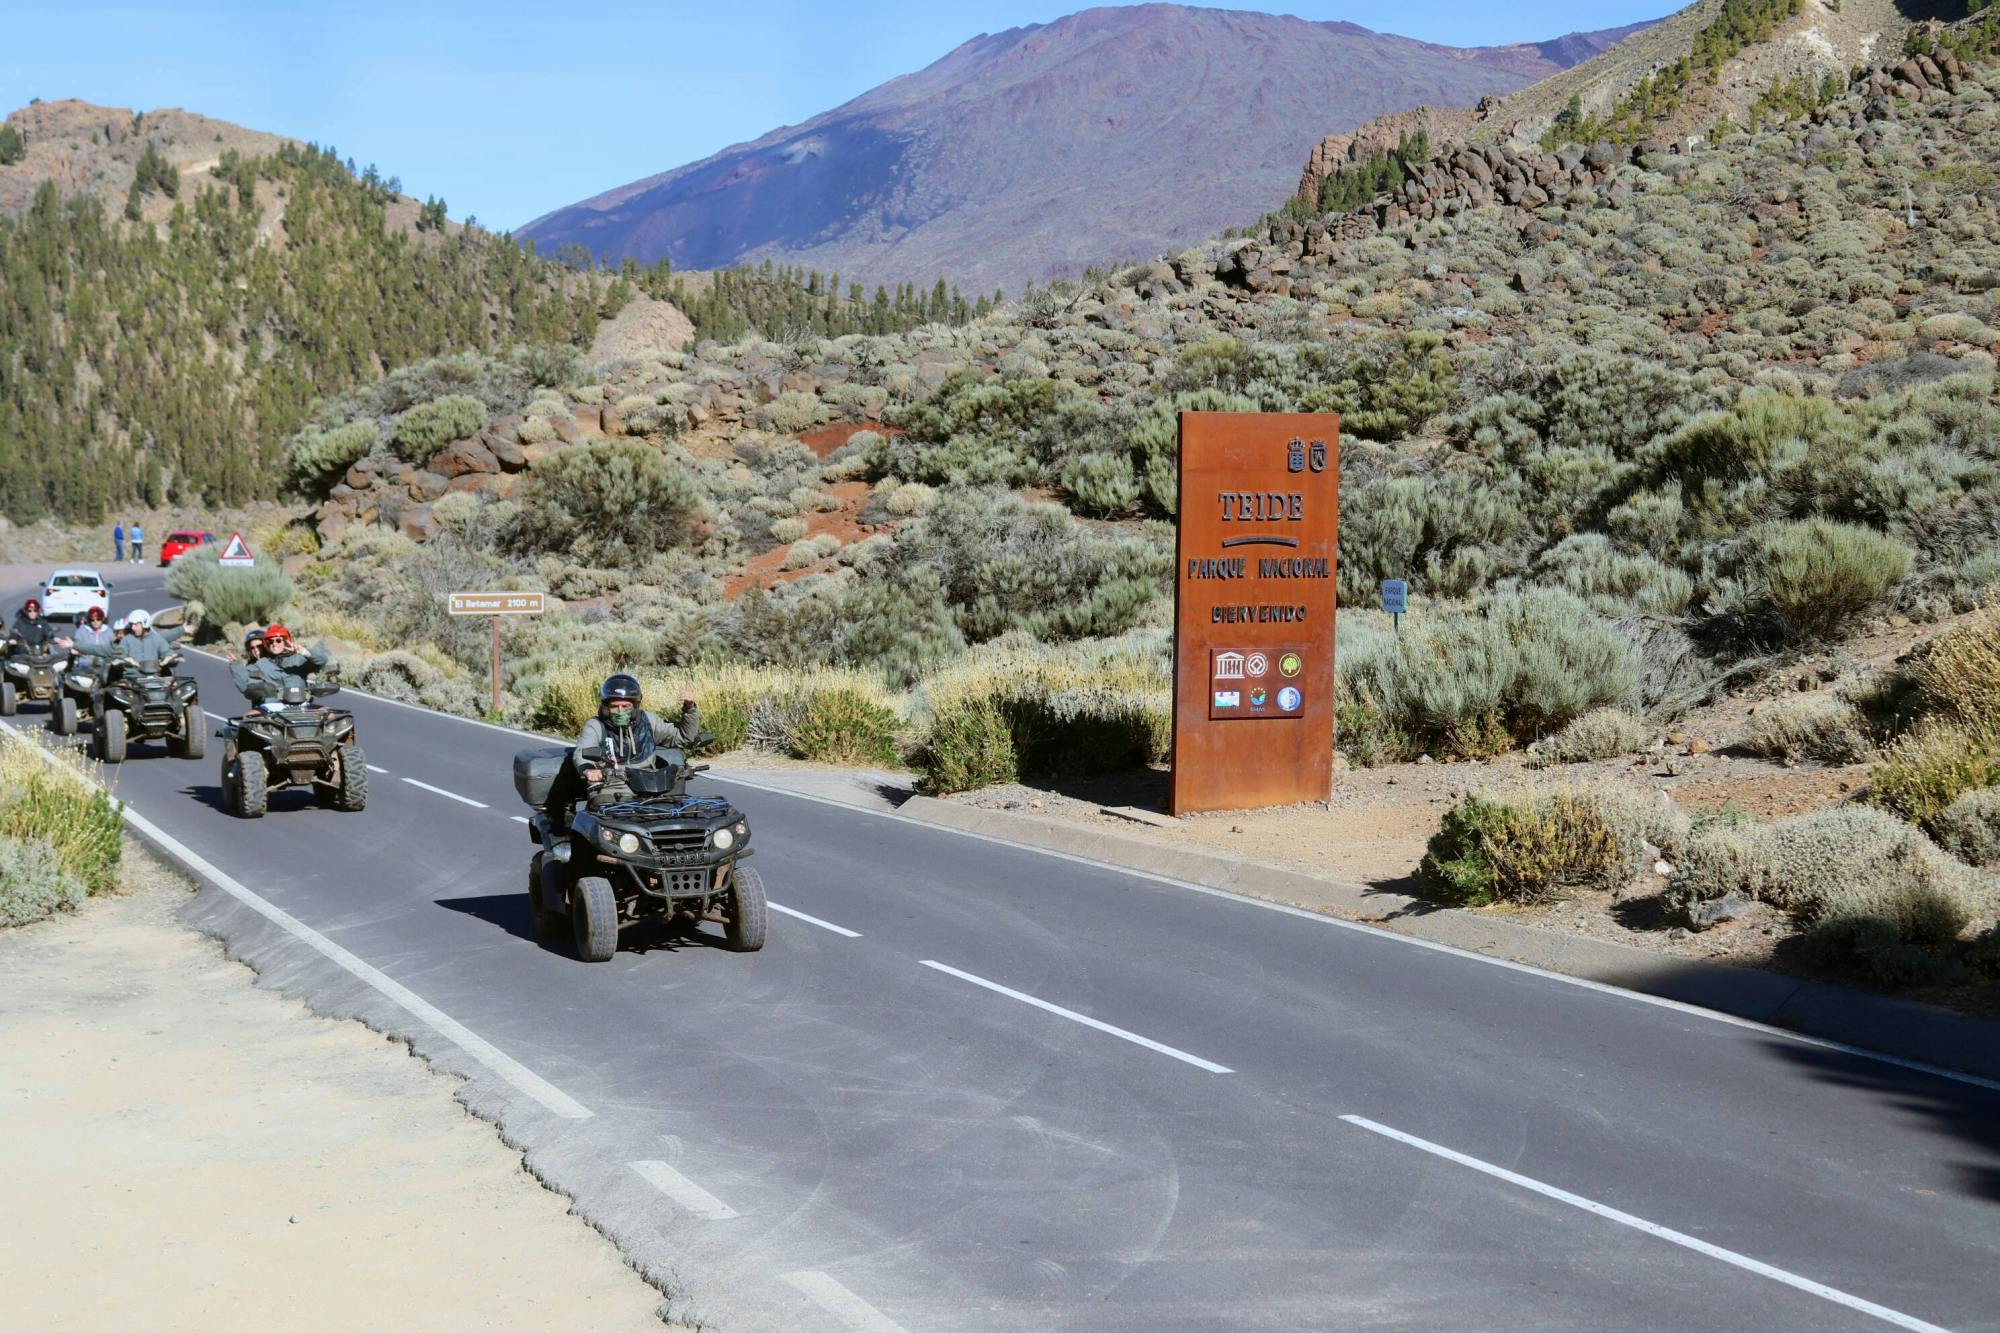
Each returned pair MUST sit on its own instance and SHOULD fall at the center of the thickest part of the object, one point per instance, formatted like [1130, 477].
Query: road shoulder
[201, 1147]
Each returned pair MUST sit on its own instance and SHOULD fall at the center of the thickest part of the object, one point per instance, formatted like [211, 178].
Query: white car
[70, 593]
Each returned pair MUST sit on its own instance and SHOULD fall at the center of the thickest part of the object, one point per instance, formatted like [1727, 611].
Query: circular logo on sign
[1289, 665]
[1257, 697]
[1256, 664]
[1288, 699]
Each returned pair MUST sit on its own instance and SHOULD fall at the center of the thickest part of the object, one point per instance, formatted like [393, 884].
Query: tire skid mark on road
[813, 920]
[1744, 1262]
[1084, 1019]
[831, 1296]
[691, 1197]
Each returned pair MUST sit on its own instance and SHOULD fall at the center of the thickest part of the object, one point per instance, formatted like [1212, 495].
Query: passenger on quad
[623, 731]
[30, 632]
[273, 663]
[93, 630]
[143, 648]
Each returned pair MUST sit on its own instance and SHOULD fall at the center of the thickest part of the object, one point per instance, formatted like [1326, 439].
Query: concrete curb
[1898, 1028]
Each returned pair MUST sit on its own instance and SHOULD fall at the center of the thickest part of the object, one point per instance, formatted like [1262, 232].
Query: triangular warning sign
[236, 552]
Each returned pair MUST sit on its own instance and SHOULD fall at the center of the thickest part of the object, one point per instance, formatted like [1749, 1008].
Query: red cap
[31, 605]
[94, 613]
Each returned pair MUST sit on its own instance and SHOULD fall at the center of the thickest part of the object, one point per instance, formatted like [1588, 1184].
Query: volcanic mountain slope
[1111, 133]
[82, 148]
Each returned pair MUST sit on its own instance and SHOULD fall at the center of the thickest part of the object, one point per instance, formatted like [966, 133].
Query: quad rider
[93, 630]
[622, 731]
[273, 663]
[30, 633]
[143, 646]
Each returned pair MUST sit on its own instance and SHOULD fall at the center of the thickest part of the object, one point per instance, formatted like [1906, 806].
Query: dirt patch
[767, 570]
[827, 440]
[183, 1147]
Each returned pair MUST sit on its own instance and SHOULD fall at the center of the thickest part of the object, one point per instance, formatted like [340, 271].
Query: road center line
[691, 1197]
[518, 819]
[506, 1067]
[1744, 1262]
[813, 920]
[829, 1295]
[1084, 1019]
[452, 795]
[372, 769]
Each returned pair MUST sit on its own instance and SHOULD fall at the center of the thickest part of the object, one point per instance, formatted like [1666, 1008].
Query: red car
[180, 543]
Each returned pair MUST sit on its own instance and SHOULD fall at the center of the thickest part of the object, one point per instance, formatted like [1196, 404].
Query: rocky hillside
[1715, 60]
[1108, 134]
[83, 149]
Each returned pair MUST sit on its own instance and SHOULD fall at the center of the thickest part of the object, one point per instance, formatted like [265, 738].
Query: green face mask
[621, 717]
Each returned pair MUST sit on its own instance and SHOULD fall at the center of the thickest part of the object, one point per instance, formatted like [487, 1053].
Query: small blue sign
[1288, 699]
[1395, 596]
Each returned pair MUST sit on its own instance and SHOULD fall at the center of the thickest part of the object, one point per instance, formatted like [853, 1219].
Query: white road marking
[691, 1197]
[1744, 1262]
[1378, 933]
[813, 920]
[217, 716]
[853, 1312]
[462, 800]
[518, 819]
[1084, 1019]
[372, 769]
[1372, 932]
[506, 1067]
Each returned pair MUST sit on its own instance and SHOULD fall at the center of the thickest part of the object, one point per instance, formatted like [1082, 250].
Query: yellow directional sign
[495, 604]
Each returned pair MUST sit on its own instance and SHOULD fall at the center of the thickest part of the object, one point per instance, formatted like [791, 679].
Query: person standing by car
[138, 543]
[118, 542]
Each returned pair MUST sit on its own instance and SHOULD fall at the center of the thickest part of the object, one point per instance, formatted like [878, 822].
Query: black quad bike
[640, 848]
[31, 676]
[296, 744]
[136, 705]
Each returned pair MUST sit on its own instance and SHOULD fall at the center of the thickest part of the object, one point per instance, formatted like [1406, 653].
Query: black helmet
[619, 686]
[253, 635]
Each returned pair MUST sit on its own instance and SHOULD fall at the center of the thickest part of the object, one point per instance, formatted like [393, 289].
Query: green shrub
[843, 725]
[899, 627]
[1614, 582]
[58, 806]
[974, 433]
[1813, 579]
[608, 502]
[1457, 867]
[1928, 768]
[1824, 727]
[1104, 485]
[33, 884]
[1602, 733]
[320, 454]
[230, 595]
[1487, 852]
[968, 746]
[411, 679]
[1958, 674]
[426, 428]
[1969, 828]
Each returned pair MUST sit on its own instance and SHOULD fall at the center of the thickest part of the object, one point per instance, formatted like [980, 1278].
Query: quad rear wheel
[548, 922]
[352, 793]
[593, 919]
[110, 737]
[749, 914]
[252, 793]
[62, 716]
[9, 700]
[194, 738]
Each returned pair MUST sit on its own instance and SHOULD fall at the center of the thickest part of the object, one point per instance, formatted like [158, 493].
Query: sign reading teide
[1255, 571]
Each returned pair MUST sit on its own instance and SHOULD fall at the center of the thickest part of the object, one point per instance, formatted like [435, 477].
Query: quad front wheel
[62, 716]
[194, 737]
[749, 915]
[548, 922]
[593, 919]
[352, 794]
[253, 795]
[9, 700]
[110, 737]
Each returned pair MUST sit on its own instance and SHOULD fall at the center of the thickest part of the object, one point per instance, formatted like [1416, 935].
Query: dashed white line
[506, 1067]
[518, 819]
[829, 1295]
[813, 920]
[452, 795]
[1882, 1312]
[691, 1197]
[1084, 1019]
[373, 769]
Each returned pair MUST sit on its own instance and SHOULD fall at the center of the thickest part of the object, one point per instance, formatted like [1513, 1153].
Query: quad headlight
[82, 682]
[723, 840]
[628, 843]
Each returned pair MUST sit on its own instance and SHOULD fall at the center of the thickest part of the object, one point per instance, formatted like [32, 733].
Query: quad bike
[290, 742]
[82, 697]
[31, 676]
[639, 848]
[135, 705]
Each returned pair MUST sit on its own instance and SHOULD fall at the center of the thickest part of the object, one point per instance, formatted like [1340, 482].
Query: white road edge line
[518, 819]
[813, 920]
[829, 1295]
[372, 769]
[513, 1072]
[691, 1197]
[1373, 932]
[1744, 1262]
[1084, 1019]
[452, 795]
[1380, 933]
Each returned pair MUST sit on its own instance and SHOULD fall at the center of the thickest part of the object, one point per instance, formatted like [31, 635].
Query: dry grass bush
[1923, 771]
[1556, 844]
[1969, 828]
[61, 836]
[1602, 733]
[410, 678]
[1025, 710]
[1820, 726]
[1877, 900]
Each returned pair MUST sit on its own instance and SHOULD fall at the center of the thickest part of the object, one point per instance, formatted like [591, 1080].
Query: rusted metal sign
[1256, 567]
[495, 604]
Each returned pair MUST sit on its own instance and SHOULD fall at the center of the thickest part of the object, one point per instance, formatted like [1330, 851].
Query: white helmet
[139, 620]
[118, 625]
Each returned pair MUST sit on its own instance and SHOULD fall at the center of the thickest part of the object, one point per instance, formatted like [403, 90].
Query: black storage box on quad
[535, 772]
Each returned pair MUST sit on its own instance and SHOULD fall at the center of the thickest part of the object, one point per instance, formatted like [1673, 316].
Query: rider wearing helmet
[30, 632]
[145, 646]
[93, 629]
[273, 664]
[622, 731]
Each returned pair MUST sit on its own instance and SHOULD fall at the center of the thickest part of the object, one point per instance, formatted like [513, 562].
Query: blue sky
[508, 110]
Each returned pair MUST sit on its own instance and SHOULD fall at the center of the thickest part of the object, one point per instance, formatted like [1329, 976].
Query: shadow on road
[1967, 1116]
[509, 911]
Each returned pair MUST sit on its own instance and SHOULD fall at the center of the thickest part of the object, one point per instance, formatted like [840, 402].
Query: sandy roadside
[182, 1150]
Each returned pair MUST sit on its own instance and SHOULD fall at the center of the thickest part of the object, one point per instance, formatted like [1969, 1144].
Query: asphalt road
[989, 1088]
